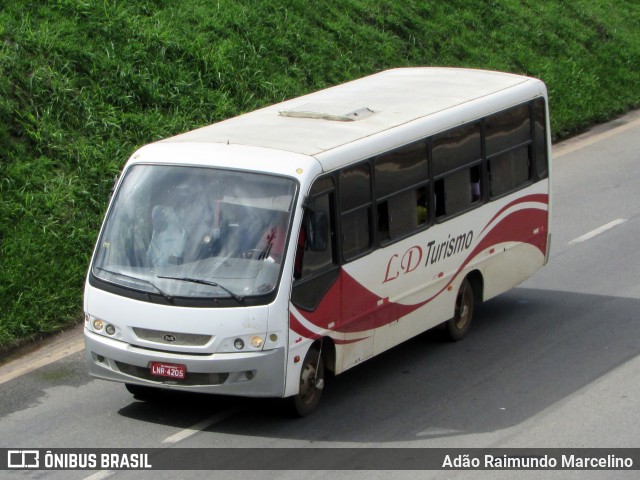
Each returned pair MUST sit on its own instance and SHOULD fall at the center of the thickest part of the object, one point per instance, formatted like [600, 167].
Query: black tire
[311, 385]
[458, 327]
[141, 392]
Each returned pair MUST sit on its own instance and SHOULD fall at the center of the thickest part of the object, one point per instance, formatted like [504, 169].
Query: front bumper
[250, 374]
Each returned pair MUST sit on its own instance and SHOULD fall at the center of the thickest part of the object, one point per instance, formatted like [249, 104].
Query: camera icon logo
[23, 459]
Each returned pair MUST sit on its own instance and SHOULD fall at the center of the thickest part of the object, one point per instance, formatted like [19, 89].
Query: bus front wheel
[458, 327]
[311, 384]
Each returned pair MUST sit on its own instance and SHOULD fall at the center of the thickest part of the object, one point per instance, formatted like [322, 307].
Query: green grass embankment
[83, 83]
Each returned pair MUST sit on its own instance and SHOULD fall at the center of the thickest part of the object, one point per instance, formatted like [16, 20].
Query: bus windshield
[196, 232]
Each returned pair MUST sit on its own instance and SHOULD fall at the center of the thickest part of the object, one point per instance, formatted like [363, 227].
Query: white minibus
[256, 255]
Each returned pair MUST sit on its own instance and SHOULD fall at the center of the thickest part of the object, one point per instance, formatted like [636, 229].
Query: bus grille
[172, 338]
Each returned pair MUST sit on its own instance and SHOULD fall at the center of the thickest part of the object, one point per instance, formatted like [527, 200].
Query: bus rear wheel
[311, 384]
[458, 327]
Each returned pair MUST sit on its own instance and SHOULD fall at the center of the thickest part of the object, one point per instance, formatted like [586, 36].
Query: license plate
[171, 370]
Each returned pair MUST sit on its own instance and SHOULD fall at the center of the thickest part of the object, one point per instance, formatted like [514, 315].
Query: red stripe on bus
[363, 310]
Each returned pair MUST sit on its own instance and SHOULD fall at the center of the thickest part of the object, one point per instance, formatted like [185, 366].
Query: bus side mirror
[317, 225]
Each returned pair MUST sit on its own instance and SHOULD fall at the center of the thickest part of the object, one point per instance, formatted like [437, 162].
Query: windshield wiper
[168, 297]
[200, 281]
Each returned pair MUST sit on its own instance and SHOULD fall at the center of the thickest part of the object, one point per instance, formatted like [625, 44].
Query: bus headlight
[99, 326]
[243, 343]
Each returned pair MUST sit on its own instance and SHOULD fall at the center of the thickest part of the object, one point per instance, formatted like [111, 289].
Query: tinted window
[355, 187]
[508, 144]
[400, 178]
[457, 191]
[507, 129]
[456, 148]
[542, 168]
[316, 271]
[309, 262]
[355, 210]
[508, 171]
[401, 169]
[402, 213]
[457, 157]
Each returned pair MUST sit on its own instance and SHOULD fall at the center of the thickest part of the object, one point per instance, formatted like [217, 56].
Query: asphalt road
[552, 363]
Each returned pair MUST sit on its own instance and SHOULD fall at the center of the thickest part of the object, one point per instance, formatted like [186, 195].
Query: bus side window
[315, 271]
[457, 161]
[508, 146]
[540, 134]
[355, 210]
[311, 262]
[401, 178]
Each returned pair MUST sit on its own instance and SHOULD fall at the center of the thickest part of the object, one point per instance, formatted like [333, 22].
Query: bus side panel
[363, 312]
[416, 282]
[514, 265]
[409, 322]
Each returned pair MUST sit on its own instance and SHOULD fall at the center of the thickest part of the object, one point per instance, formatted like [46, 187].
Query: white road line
[598, 231]
[173, 439]
[198, 427]
[100, 475]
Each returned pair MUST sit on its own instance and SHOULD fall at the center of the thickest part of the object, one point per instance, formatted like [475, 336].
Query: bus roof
[336, 117]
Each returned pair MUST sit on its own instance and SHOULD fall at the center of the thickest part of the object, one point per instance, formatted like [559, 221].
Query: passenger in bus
[264, 238]
[251, 233]
[421, 206]
[475, 191]
[168, 238]
[274, 241]
[475, 184]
